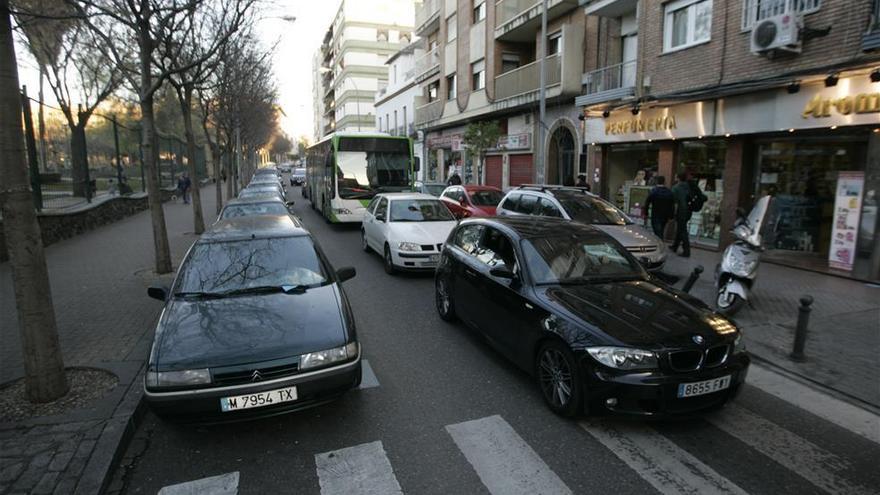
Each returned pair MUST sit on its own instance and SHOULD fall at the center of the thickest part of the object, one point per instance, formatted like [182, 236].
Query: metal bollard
[692, 278]
[800, 333]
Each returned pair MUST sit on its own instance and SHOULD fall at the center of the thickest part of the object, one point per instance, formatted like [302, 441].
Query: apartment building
[396, 100]
[748, 97]
[482, 64]
[351, 62]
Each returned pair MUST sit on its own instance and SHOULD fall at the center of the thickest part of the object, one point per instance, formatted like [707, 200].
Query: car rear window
[486, 197]
[217, 267]
[247, 210]
[592, 210]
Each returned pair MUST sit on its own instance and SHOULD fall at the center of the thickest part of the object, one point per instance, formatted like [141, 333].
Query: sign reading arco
[629, 126]
[821, 106]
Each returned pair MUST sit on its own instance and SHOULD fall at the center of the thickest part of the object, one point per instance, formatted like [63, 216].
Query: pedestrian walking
[681, 191]
[454, 179]
[660, 206]
[183, 185]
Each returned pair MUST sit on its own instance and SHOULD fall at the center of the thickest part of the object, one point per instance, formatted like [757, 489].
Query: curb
[114, 439]
[815, 385]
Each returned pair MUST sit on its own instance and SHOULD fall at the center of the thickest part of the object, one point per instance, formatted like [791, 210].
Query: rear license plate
[261, 399]
[435, 258]
[704, 387]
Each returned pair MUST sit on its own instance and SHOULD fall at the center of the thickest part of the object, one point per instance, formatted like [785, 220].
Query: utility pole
[118, 162]
[236, 173]
[542, 105]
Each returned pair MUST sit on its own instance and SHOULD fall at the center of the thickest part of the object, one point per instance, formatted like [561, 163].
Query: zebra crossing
[506, 464]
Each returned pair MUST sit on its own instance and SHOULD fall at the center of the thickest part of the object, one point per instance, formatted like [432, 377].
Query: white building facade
[396, 101]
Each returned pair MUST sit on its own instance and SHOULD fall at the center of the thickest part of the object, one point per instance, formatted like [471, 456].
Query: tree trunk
[215, 158]
[148, 141]
[186, 109]
[41, 124]
[43, 365]
[228, 167]
[79, 160]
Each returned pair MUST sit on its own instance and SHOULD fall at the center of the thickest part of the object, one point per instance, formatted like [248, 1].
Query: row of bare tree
[92, 50]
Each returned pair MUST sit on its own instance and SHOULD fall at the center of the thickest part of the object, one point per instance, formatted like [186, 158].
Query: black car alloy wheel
[443, 299]
[389, 265]
[559, 379]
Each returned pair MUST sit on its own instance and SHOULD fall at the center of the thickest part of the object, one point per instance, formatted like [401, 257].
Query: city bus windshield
[368, 166]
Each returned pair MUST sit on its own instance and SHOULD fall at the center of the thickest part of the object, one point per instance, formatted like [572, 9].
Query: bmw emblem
[698, 339]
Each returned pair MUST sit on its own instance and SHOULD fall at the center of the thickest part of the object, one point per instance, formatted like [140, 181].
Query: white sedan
[409, 229]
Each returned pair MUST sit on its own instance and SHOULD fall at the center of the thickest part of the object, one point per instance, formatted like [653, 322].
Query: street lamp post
[542, 105]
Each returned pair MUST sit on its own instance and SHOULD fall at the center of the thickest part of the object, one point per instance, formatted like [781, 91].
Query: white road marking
[224, 484]
[667, 467]
[801, 456]
[368, 378]
[503, 460]
[362, 469]
[845, 415]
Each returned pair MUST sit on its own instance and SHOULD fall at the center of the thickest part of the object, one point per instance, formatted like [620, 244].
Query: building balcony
[427, 65]
[518, 20]
[429, 113]
[526, 79]
[614, 82]
[427, 17]
[609, 8]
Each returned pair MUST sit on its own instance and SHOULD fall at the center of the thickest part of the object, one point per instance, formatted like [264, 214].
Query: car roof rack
[551, 187]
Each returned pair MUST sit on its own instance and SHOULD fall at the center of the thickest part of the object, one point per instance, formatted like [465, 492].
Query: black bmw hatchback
[569, 304]
[256, 323]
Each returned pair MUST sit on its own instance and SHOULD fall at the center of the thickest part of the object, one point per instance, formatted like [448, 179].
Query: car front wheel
[443, 299]
[364, 245]
[559, 379]
[390, 269]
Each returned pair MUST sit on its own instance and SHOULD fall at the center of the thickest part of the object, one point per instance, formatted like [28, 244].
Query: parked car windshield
[574, 258]
[251, 209]
[592, 210]
[419, 210]
[222, 267]
[486, 197]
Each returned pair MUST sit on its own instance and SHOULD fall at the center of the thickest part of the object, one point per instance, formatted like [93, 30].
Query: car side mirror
[160, 293]
[345, 273]
[380, 217]
[502, 272]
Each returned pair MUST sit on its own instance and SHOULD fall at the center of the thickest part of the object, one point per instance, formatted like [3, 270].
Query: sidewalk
[105, 320]
[843, 343]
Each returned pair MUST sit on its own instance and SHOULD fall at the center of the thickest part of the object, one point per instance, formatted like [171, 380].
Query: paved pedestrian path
[843, 343]
[105, 319]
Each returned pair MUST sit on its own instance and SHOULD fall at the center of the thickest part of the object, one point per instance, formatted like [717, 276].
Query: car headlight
[624, 358]
[409, 246]
[739, 344]
[330, 356]
[180, 378]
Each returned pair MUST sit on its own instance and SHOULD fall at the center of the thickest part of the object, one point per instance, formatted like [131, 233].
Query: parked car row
[256, 321]
[560, 282]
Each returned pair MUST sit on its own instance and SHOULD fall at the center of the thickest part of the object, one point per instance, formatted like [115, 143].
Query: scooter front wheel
[729, 303]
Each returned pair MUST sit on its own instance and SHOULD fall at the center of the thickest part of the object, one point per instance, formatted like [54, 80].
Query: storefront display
[434, 173]
[629, 165]
[847, 207]
[703, 160]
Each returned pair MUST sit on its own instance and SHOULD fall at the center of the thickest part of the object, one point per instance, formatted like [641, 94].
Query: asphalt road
[450, 416]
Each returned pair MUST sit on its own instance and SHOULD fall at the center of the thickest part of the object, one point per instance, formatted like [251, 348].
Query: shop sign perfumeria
[636, 125]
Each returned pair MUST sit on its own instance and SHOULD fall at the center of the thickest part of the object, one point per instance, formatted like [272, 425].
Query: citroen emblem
[256, 377]
[698, 339]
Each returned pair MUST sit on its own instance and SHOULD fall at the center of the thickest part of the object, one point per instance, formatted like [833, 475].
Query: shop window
[451, 28]
[451, 90]
[479, 10]
[704, 163]
[433, 169]
[758, 10]
[687, 23]
[478, 70]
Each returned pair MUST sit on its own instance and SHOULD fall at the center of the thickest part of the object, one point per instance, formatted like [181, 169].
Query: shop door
[494, 173]
[521, 170]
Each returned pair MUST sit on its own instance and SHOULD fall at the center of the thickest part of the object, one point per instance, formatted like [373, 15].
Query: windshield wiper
[199, 295]
[267, 289]
[595, 279]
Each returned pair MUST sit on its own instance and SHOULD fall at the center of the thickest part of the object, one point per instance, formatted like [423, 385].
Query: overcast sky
[297, 42]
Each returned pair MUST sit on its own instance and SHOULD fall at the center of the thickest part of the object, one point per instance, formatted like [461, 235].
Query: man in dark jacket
[681, 192]
[661, 204]
[454, 179]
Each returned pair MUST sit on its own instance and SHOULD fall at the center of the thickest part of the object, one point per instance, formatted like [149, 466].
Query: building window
[687, 23]
[758, 10]
[478, 69]
[479, 10]
[395, 122]
[554, 43]
[387, 123]
[451, 91]
[433, 90]
[509, 62]
[451, 29]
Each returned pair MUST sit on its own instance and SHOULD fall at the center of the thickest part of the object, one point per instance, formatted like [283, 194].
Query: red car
[472, 200]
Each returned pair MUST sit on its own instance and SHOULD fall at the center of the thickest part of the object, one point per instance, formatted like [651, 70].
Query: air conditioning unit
[777, 33]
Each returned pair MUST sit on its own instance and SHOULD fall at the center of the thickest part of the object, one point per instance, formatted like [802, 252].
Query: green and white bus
[345, 170]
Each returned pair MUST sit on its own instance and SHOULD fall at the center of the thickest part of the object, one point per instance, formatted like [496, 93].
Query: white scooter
[735, 275]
